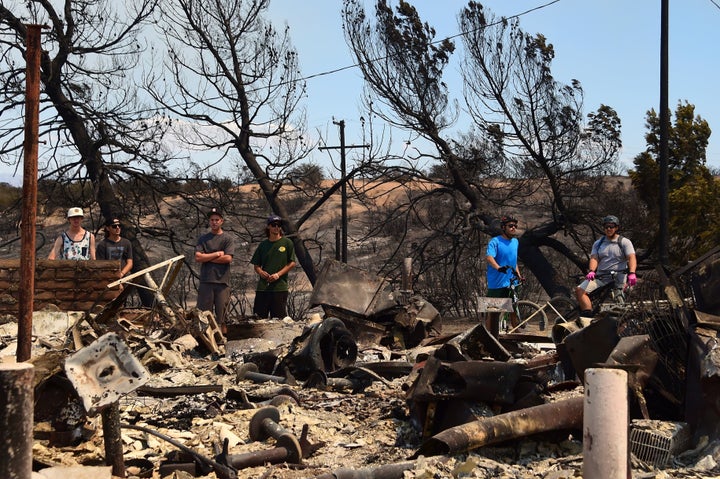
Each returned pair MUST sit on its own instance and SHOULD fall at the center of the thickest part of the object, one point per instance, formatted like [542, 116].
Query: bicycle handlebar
[516, 280]
[604, 274]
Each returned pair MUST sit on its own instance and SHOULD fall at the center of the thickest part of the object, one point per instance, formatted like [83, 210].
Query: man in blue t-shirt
[501, 257]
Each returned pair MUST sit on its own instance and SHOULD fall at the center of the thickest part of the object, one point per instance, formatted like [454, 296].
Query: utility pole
[343, 186]
[663, 239]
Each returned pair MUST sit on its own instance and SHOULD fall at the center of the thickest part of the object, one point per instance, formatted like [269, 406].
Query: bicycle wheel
[563, 310]
[531, 316]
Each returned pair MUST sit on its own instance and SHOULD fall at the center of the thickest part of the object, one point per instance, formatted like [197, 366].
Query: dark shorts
[270, 303]
[498, 292]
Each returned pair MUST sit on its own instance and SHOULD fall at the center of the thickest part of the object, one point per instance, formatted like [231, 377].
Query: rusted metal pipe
[250, 372]
[567, 414]
[26, 293]
[319, 380]
[264, 424]
[113, 439]
[276, 455]
[605, 432]
[283, 453]
[16, 420]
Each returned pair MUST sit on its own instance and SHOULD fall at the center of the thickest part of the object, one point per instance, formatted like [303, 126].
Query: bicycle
[561, 309]
[525, 310]
[600, 298]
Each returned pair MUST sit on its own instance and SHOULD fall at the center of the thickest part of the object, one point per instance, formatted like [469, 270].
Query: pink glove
[631, 279]
[590, 276]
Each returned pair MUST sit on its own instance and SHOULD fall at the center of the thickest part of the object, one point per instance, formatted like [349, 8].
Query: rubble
[373, 390]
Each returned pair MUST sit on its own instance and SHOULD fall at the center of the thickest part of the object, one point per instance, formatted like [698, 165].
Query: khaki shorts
[590, 286]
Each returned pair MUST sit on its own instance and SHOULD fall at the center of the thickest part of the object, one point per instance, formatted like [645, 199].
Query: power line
[355, 65]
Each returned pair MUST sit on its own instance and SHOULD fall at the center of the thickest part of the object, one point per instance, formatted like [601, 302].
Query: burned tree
[95, 130]
[529, 136]
[236, 81]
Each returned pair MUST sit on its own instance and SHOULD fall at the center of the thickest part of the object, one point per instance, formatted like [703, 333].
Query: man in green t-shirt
[273, 258]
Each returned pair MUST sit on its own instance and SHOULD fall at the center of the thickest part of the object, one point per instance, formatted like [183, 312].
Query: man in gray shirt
[214, 251]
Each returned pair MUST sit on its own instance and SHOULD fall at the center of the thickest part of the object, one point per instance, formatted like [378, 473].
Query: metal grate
[656, 442]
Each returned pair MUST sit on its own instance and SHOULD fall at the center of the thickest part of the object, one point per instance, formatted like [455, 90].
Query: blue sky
[611, 46]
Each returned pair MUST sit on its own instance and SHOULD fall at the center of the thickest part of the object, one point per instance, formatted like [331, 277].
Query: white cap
[75, 211]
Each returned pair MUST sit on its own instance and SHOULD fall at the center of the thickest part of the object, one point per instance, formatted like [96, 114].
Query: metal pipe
[26, 295]
[605, 431]
[112, 439]
[264, 424]
[250, 372]
[276, 455]
[16, 420]
[567, 414]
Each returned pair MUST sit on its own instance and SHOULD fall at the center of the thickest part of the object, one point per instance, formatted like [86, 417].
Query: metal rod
[26, 295]
[276, 455]
[113, 439]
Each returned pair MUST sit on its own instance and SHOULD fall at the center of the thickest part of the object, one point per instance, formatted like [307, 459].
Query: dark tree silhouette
[530, 142]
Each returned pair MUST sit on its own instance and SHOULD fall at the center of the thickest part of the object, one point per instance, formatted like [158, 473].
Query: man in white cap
[76, 243]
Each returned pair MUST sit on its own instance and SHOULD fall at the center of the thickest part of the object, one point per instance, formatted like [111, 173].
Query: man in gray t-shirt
[610, 253]
[214, 251]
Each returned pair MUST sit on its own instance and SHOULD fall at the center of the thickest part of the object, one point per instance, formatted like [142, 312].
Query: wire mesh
[656, 442]
[668, 337]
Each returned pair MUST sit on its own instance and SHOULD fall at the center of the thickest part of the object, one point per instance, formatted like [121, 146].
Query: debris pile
[374, 390]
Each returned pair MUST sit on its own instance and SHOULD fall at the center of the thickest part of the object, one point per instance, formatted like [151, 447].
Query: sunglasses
[276, 224]
[511, 226]
[610, 227]
[114, 226]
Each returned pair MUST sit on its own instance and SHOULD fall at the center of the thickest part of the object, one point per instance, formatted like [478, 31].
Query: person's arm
[224, 258]
[283, 271]
[262, 273]
[593, 264]
[632, 264]
[100, 252]
[210, 257]
[491, 261]
[92, 246]
[55, 251]
[127, 268]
